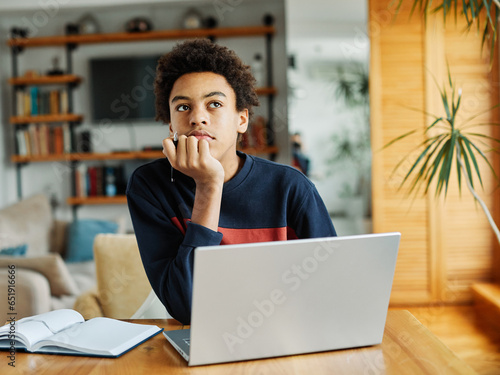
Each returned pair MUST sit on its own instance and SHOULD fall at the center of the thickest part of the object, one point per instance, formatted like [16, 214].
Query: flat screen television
[121, 88]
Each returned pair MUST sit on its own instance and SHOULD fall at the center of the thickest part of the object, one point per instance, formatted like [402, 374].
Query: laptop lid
[289, 297]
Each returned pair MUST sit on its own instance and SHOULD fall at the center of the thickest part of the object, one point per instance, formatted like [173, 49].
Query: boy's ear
[170, 128]
[243, 125]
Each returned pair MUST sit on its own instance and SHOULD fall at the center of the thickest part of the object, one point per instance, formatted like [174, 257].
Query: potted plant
[453, 144]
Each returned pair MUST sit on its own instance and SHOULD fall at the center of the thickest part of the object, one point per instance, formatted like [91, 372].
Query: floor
[456, 327]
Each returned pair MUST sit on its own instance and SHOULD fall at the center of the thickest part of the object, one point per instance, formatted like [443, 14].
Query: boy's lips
[201, 134]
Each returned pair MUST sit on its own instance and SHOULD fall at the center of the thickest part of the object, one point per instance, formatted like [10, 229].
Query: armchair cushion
[88, 304]
[51, 266]
[122, 284]
[32, 294]
[27, 222]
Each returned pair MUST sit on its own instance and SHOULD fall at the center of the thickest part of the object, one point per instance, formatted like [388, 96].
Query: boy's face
[203, 105]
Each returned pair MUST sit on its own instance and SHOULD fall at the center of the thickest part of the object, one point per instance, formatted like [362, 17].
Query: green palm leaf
[483, 156]
[447, 147]
[433, 142]
[474, 161]
[471, 10]
[431, 171]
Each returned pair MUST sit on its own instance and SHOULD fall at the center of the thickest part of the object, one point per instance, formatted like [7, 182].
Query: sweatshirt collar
[241, 175]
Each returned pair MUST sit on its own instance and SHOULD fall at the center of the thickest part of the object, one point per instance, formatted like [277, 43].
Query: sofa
[36, 275]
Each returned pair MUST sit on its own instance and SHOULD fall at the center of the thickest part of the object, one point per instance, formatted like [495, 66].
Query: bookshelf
[129, 155]
[63, 40]
[69, 117]
[22, 122]
[45, 80]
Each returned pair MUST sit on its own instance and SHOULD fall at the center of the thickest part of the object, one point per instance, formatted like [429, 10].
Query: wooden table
[407, 348]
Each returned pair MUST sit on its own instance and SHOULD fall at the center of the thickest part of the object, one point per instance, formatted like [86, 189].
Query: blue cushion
[81, 238]
[17, 251]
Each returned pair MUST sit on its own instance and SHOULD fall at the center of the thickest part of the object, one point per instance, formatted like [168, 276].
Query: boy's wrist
[210, 187]
[207, 201]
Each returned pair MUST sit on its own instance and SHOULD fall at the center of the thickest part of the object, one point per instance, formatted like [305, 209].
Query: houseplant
[454, 143]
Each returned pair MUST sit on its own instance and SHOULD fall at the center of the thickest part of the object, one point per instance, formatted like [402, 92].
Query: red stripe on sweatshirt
[178, 224]
[246, 235]
[235, 236]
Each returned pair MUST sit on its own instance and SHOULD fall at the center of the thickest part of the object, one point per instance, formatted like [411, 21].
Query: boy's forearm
[207, 202]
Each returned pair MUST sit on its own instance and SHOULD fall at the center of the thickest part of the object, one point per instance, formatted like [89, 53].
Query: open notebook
[66, 332]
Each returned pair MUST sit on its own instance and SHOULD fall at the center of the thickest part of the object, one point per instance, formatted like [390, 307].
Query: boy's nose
[199, 117]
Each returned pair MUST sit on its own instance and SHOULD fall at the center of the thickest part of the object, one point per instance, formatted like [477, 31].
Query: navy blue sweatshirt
[265, 201]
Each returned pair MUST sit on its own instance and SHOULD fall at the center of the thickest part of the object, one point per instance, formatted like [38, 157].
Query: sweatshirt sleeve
[309, 216]
[167, 254]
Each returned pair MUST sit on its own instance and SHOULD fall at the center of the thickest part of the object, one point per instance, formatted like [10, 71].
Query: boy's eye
[182, 108]
[215, 105]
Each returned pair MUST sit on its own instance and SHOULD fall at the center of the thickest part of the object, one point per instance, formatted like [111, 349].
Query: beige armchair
[42, 280]
[123, 290]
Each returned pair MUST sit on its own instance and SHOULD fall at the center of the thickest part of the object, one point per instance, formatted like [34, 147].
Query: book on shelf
[35, 101]
[27, 104]
[34, 136]
[21, 143]
[92, 176]
[66, 138]
[64, 102]
[54, 103]
[20, 109]
[58, 140]
[43, 139]
[65, 331]
[81, 181]
[98, 181]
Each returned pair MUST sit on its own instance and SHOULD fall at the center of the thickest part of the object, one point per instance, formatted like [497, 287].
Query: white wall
[54, 177]
[336, 36]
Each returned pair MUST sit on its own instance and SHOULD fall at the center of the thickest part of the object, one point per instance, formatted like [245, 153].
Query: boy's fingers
[169, 149]
[192, 146]
[204, 148]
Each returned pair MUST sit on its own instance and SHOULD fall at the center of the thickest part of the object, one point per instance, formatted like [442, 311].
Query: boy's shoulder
[270, 168]
[150, 171]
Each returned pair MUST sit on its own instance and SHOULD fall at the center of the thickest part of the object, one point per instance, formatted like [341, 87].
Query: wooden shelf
[131, 155]
[39, 159]
[69, 117]
[88, 156]
[74, 201]
[142, 36]
[266, 90]
[45, 80]
[126, 155]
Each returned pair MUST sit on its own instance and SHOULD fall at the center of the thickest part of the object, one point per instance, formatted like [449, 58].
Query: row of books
[43, 139]
[96, 181]
[256, 134]
[33, 101]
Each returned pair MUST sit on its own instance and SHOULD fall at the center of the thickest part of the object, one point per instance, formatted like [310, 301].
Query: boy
[205, 192]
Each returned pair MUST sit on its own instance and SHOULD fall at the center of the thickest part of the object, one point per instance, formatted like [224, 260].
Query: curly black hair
[202, 55]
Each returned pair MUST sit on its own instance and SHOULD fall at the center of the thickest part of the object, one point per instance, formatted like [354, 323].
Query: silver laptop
[282, 298]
